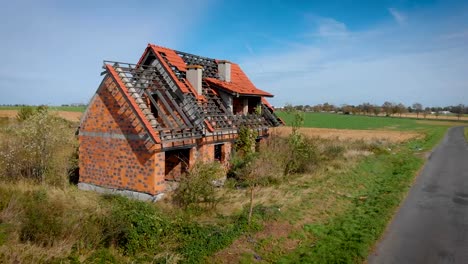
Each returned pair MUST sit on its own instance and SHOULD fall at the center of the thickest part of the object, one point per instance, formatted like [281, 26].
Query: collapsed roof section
[183, 96]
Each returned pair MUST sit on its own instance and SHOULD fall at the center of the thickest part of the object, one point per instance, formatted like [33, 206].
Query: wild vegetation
[296, 199]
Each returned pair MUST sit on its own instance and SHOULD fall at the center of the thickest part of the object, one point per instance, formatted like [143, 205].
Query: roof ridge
[161, 47]
[205, 57]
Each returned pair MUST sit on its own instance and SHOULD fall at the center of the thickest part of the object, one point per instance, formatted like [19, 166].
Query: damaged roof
[239, 84]
[171, 109]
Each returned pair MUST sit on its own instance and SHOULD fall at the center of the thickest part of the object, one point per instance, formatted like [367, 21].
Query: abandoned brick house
[149, 122]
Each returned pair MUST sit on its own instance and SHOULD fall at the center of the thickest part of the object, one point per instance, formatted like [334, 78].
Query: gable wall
[112, 149]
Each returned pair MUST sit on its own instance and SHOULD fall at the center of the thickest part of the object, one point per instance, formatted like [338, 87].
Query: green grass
[53, 108]
[338, 121]
[349, 237]
[466, 133]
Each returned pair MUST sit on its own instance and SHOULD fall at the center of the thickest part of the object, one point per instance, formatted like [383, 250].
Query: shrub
[37, 148]
[245, 143]
[333, 151]
[42, 220]
[196, 189]
[24, 113]
[302, 154]
[240, 165]
[135, 225]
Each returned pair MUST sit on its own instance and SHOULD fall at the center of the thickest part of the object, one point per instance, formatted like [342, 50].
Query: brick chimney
[194, 76]
[224, 70]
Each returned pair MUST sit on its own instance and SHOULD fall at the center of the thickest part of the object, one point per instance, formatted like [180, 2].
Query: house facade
[149, 122]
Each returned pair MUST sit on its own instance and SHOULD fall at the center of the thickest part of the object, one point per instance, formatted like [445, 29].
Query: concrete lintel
[114, 135]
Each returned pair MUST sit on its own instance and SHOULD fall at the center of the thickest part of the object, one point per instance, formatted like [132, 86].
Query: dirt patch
[348, 134]
[439, 123]
[71, 116]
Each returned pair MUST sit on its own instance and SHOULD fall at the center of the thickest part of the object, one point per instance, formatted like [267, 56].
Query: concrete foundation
[130, 194]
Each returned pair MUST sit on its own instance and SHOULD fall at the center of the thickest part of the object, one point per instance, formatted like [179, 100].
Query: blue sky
[304, 52]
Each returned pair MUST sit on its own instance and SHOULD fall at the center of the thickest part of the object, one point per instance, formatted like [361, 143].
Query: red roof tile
[239, 83]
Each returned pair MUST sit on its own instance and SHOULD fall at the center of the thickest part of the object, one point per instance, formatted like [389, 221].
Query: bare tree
[460, 110]
[417, 108]
[377, 110]
[427, 111]
[401, 108]
[366, 108]
[387, 107]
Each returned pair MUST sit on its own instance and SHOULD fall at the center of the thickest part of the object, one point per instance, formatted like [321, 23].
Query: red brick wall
[114, 154]
[111, 154]
[205, 152]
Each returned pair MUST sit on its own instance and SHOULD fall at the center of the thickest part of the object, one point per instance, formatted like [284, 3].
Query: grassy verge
[384, 181]
[466, 133]
[40, 224]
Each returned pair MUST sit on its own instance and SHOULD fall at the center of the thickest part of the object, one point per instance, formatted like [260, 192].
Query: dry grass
[348, 134]
[439, 123]
[306, 198]
[77, 205]
[440, 117]
[70, 116]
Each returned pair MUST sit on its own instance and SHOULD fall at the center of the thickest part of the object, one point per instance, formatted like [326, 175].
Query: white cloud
[329, 27]
[399, 17]
[326, 27]
[387, 62]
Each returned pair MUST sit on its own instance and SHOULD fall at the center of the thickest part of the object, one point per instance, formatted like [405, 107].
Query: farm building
[149, 122]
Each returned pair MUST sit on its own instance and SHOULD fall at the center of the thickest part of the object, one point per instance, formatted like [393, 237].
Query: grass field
[342, 205]
[326, 120]
[466, 133]
[345, 209]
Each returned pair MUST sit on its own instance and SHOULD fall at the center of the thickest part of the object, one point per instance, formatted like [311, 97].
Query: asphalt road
[431, 226]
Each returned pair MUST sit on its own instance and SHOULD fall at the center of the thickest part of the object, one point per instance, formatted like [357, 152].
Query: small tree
[245, 143]
[197, 190]
[38, 148]
[245, 150]
[417, 108]
[427, 111]
[401, 108]
[377, 110]
[387, 107]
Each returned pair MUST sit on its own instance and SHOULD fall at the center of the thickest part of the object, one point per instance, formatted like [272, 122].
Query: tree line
[387, 109]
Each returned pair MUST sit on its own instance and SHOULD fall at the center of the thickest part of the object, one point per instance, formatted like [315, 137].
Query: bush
[42, 219]
[245, 143]
[37, 148]
[135, 225]
[302, 154]
[196, 189]
[24, 113]
[333, 151]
